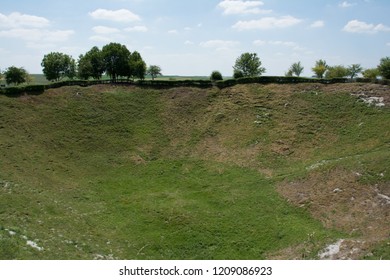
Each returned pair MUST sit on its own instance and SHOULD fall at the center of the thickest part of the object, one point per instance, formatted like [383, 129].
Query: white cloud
[32, 29]
[99, 38]
[16, 20]
[121, 15]
[355, 26]
[293, 45]
[138, 28]
[220, 45]
[288, 44]
[259, 43]
[173, 31]
[317, 24]
[234, 7]
[346, 4]
[188, 43]
[267, 23]
[388, 44]
[40, 46]
[37, 34]
[105, 30]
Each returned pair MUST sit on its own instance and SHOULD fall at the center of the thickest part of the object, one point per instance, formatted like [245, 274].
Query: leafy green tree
[372, 73]
[70, 71]
[289, 73]
[384, 67]
[84, 67]
[320, 68]
[95, 56]
[216, 76]
[338, 71]
[116, 60]
[238, 74]
[354, 70]
[154, 71]
[91, 64]
[58, 65]
[15, 75]
[249, 64]
[137, 66]
[296, 69]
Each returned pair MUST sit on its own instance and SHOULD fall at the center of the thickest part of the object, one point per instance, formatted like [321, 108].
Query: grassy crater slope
[248, 172]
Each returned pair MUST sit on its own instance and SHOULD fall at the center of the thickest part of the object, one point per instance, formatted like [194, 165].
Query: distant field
[39, 79]
[247, 172]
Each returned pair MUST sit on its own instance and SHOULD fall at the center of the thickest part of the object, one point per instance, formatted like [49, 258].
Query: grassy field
[39, 79]
[109, 172]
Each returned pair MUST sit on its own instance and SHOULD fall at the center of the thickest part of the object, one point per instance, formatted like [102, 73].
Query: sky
[196, 37]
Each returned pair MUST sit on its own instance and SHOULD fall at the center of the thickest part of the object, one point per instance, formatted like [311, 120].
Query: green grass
[128, 173]
[188, 210]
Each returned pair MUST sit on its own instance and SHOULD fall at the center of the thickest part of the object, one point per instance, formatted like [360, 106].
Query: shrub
[16, 91]
[216, 76]
[226, 83]
[168, 84]
[238, 74]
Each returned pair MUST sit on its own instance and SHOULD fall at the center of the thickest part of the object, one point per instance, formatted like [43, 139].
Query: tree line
[116, 61]
[250, 65]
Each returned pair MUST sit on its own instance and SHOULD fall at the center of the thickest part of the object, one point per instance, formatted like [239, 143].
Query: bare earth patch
[338, 200]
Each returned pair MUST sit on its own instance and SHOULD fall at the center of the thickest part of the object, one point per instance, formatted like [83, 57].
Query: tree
[116, 60]
[137, 66]
[320, 68]
[84, 67]
[372, 73]
[58, 65]
[91, 64]
[70, 69]
[296, 69]
[354, 70]
[384, 67]
[249, 64]
[154, 71]
[216, 76]
[15, 75]
[289, 73]
[238, 74]
[338, 71]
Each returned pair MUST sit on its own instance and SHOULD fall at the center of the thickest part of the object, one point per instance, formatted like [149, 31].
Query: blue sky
[191, 37]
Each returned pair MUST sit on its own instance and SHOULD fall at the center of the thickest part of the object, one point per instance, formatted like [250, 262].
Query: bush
[238, 74]
[226, 83]
[30, 89]
[277, 80]
[168, 84]
[216, 76]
